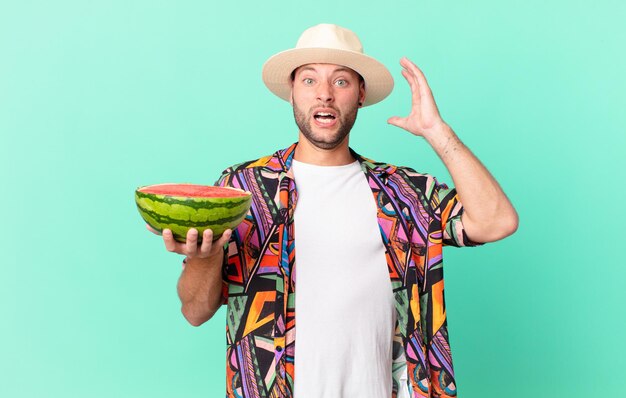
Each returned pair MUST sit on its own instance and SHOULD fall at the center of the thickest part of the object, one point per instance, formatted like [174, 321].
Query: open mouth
[324, 117]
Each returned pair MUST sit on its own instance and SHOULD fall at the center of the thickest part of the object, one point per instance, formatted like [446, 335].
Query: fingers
[416, 74]
[402, 122]
[209, 247]
[168, 239]
[416, 97]
[412, 82]
[191, 245]
[154, 231]
[189, 248]
[207, 243]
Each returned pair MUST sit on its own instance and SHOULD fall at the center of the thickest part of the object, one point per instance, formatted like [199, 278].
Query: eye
[307, 81]
[341, 82]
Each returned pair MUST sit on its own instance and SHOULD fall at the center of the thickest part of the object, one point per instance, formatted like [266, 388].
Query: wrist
[443, 140]
[203, 263]
[438, 134]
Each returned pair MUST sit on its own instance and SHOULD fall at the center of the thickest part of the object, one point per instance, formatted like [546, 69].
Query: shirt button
[279, 348]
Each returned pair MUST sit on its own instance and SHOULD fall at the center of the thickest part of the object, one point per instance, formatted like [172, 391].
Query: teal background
[97, 98]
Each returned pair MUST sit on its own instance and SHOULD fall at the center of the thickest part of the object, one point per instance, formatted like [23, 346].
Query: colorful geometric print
[417, 216]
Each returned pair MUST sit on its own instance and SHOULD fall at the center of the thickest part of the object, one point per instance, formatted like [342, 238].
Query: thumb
[397, 121]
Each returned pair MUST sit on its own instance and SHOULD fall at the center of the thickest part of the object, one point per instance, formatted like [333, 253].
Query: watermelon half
[180, 207]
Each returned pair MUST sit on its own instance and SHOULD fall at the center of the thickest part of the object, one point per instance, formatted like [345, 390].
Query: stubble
[330, 139]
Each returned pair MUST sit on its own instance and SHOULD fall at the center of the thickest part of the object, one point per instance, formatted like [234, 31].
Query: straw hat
[328, 44]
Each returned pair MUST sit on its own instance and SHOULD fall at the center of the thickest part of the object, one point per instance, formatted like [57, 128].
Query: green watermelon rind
[179, 214]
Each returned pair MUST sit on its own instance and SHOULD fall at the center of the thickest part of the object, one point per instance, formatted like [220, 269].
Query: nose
[325, 92]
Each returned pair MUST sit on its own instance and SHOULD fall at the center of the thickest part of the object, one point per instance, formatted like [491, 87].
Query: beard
[325, 140]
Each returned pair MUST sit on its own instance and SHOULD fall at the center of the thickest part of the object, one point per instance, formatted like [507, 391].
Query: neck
[306, 152]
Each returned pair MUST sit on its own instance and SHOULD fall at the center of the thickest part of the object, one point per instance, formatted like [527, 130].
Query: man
[370, 306]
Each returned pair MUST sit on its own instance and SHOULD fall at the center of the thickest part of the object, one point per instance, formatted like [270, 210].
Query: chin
[325, 142]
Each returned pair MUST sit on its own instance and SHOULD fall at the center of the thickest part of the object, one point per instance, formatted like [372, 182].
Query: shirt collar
[282, 159]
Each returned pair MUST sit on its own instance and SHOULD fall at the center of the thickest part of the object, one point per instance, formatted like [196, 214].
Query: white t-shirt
[345, 313]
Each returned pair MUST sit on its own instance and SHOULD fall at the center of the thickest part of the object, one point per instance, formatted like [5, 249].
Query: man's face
[325, 99]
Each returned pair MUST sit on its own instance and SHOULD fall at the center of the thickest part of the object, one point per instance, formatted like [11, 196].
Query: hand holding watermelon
[191, 247]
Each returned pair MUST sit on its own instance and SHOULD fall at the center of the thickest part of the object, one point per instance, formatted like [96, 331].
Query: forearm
[488, 213]
[200, 288]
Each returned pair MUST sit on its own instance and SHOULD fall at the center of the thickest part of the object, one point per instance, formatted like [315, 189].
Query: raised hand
[424, 117]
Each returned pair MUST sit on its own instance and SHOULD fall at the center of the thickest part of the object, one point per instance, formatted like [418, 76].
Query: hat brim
[277, 70]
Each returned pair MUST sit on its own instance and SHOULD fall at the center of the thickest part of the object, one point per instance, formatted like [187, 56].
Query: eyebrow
[339, 69]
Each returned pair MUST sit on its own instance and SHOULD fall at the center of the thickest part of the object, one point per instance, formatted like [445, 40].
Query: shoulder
[419, 181]
[403, 175]
[407, 182]
[270, 165]
[425, 182]
[249, 164]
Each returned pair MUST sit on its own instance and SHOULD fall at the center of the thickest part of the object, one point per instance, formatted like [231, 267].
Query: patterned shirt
[417, 216]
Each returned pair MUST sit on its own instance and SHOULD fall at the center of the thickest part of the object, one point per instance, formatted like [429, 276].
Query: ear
[361, 94]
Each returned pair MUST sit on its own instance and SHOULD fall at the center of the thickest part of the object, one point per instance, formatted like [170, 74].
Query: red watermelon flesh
[192, 191]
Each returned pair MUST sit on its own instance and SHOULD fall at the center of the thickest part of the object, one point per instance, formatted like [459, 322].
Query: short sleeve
[447, 206]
